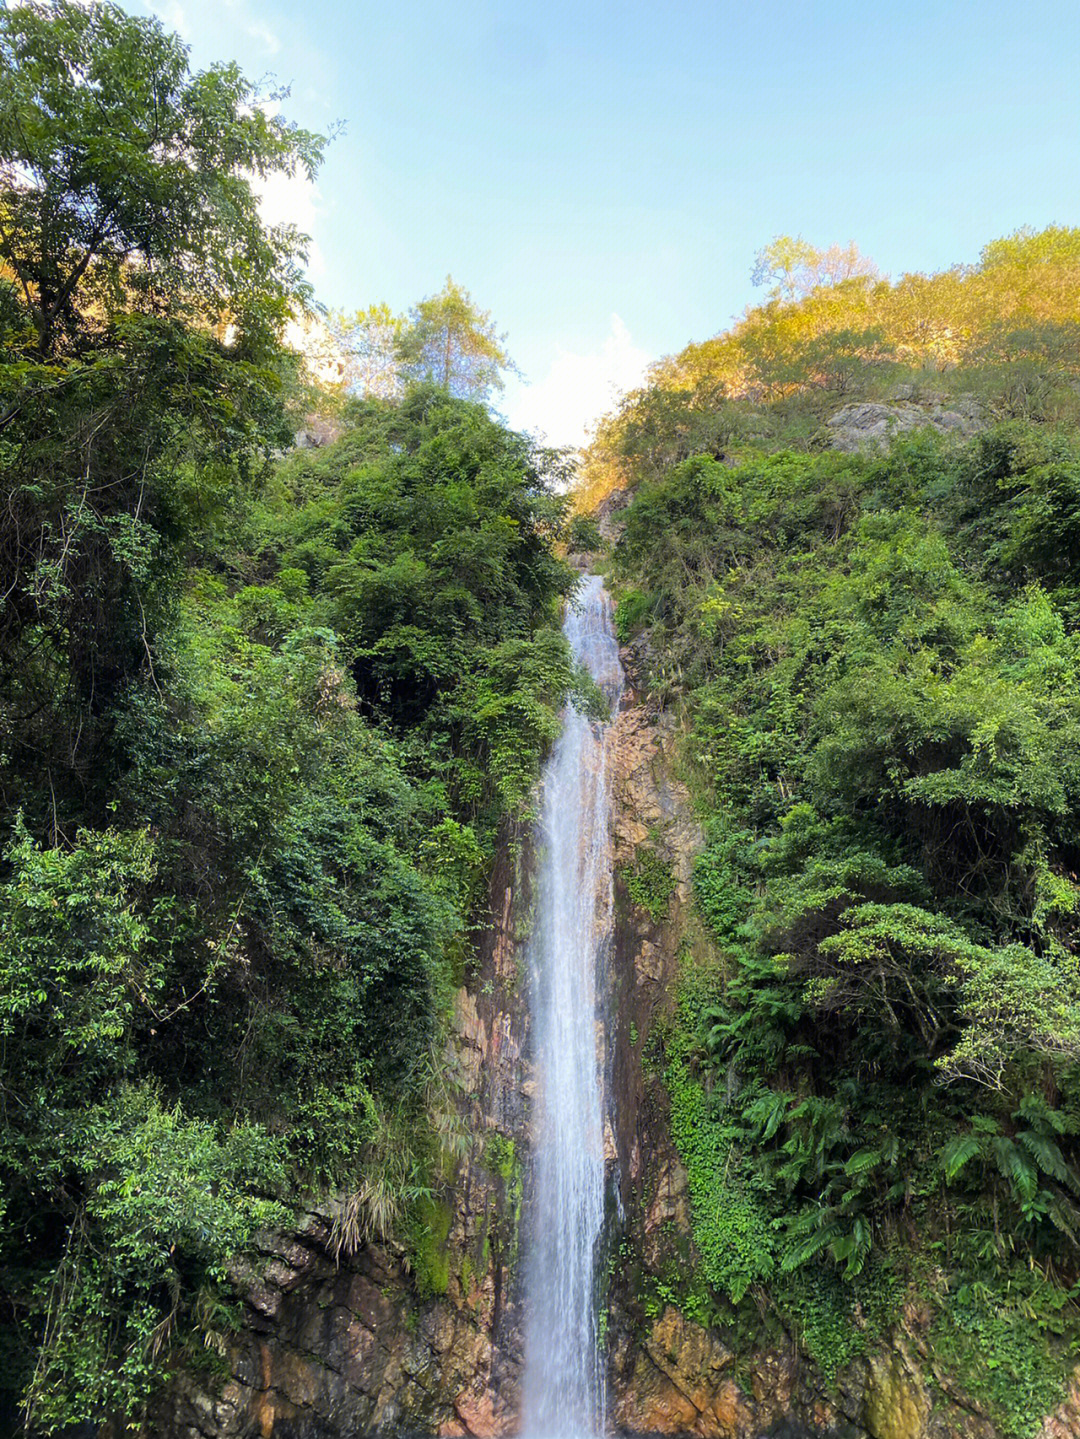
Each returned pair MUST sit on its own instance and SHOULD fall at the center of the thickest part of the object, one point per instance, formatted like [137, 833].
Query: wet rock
[897, 1401]
[481, 1414]
[682, 1384]
[670, 1203]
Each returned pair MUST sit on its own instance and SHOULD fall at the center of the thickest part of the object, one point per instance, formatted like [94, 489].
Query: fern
[1048, 1157]
[853, 1249]
[1034, 1110]
[958, 1153]
[1021, 1174]
[862, 1161]
[767, 1113]
[810, 1245]
[1064, 1216]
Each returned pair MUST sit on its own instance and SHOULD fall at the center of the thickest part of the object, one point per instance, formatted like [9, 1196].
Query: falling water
[564, 1386]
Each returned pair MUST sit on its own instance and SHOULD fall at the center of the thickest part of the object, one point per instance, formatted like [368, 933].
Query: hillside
[330, 796]
[868, 647]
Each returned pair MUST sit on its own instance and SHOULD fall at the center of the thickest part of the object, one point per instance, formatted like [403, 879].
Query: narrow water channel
[564, 1373]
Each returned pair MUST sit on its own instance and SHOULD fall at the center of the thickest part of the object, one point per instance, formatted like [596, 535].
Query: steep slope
[858, 622]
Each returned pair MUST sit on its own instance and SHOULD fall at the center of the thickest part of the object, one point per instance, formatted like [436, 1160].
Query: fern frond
[957, 1153]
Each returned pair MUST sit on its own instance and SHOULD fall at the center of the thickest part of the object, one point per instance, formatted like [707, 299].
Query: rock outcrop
[867, 425]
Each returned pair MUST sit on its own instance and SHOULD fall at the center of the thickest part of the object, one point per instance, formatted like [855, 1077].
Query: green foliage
[873, 661]
[260, 723]
[583, 534]
[113, 150]
[1003, 334]
[650, 882]
[160, 1202]
[835, 1321]
[426, 535]
[630, 613]
[77, 962]
[451, 343]
[731, 1224]
[1001, 1347]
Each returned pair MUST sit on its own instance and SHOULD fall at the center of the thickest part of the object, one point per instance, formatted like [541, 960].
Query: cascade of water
[564, 1386]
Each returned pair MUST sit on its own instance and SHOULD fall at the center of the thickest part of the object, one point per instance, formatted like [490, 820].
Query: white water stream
[564, 1362]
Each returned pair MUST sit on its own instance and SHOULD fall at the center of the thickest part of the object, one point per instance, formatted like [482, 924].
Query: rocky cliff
[338, 1342]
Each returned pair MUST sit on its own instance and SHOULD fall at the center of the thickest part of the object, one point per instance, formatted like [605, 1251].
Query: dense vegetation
[260, 720]
[266, 713]
[875, 658]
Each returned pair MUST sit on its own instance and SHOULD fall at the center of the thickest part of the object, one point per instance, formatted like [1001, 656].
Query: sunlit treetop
[452, 343]
[124, 178]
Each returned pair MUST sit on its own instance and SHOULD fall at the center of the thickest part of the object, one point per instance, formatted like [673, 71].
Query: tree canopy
[452, 343]
[873, 659]
[127, 179]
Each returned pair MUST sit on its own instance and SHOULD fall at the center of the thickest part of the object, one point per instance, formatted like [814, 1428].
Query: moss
[649, 882]
[524, 924]
[500, 1157]
[430, 1231]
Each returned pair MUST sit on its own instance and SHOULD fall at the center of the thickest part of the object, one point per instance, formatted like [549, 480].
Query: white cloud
[293, 200]
[245, 18]
[174, 18]
[258, 31]
[578, 389]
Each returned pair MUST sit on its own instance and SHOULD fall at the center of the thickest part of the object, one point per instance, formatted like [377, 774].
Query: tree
[451, 343]
[123, 176]
[370, 338]
[130, 240]
[795, 268]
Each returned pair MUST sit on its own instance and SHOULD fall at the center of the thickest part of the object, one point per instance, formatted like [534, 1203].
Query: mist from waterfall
[564, 1361]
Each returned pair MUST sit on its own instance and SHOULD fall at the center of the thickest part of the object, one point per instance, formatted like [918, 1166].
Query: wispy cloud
[244, 16]
[258, 31]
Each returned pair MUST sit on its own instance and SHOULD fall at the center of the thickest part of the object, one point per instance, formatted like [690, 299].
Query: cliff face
[670, 1375]
[338, 1344]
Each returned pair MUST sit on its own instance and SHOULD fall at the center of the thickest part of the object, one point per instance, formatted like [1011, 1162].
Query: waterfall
[564, 1363]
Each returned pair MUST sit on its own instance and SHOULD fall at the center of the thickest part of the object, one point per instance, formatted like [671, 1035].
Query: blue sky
[599, 176]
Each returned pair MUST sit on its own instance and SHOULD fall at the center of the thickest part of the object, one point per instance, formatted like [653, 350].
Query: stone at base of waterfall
[481, 1416]
[682, 1384]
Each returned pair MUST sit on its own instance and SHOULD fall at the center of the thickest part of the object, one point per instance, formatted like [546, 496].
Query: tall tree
[130, 246]
[451, 342]
[793, 268]
[370, 339]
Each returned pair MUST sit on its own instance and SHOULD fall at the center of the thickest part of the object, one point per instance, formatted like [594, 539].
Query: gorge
[442, 994]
